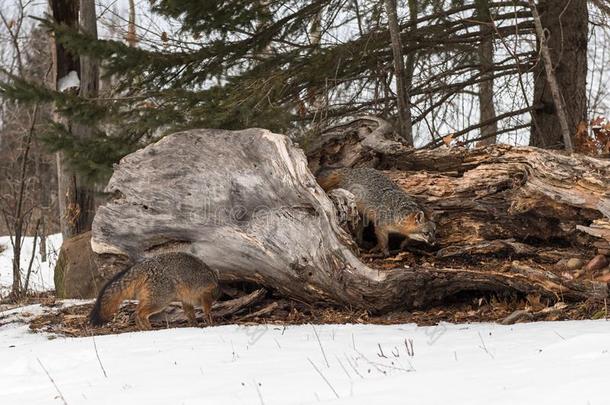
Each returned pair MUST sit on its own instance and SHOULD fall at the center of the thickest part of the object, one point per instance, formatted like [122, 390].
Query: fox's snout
[426, 233]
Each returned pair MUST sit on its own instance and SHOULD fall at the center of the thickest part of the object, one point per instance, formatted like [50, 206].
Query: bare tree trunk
[89, 68]
[76, 197]
[132, 38]
[411, 56]
[315, 31]
[315, 97]
[89, 88]
[560, 80]
[28, 273]
[44, 211]
[43, 238]
[20, 159]
[260, 25]
[402, 96]
[487, 109]
[20, 223]
[41, 172]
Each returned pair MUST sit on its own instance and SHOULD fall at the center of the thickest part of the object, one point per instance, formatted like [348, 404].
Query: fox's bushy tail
[112, 294]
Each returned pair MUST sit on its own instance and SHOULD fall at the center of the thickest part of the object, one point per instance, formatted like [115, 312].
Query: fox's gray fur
[382, 202]
[156, 282]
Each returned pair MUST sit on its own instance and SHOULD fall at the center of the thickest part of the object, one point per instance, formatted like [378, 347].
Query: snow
[41, 278]
[535, 363]
[541, 363]
[68, 82]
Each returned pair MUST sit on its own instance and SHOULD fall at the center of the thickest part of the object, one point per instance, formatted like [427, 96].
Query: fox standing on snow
[156, 282]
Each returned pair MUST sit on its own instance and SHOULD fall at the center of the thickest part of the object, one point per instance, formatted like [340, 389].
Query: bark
[403, 104]
[411, 56]
[76, 197]
[565, 24]
[131, 37]
[247, 204]
[498, 193]
[599, 228]
[264, 52]
[552, 79]
[315, 96]
[487, 111]
[18, 224]
[89, 67]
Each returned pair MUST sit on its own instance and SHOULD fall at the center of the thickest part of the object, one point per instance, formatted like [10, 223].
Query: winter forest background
[472, 75]
[508, 303]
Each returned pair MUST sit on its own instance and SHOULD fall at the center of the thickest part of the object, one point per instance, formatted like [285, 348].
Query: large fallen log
[498, 192]
[247, 204]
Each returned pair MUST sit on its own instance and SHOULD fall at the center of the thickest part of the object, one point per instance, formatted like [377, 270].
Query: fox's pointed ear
[419, 217]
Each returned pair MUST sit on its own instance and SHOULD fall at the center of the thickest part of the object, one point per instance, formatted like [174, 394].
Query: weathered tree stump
[247, 204]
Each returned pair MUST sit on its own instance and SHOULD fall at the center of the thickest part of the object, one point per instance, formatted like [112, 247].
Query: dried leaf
[447, 139]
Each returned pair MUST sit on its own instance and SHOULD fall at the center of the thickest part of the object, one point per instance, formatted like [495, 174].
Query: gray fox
[381, 202]
[156, 282]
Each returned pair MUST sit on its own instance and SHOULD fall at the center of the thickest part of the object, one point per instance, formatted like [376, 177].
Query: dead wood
[220, 309]
[247, 204]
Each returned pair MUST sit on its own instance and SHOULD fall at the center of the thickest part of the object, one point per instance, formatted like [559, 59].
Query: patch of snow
[14, 322]
[27, 312]
[41, 278]
[68, 82]
[20, 314]
[24, 314]
[535, 363]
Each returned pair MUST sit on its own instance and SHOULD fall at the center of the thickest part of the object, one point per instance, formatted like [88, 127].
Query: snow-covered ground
[536, 363]
[41, 278]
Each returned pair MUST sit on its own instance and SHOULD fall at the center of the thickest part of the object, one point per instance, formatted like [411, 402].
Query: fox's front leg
[360, 233]
[382, 240]
[190, 313]
[142, 315]
[206, 303]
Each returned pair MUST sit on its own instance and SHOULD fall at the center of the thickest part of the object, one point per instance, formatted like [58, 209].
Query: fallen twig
[61, 396]
[98, 357]
[321, 348]
[324, 378]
